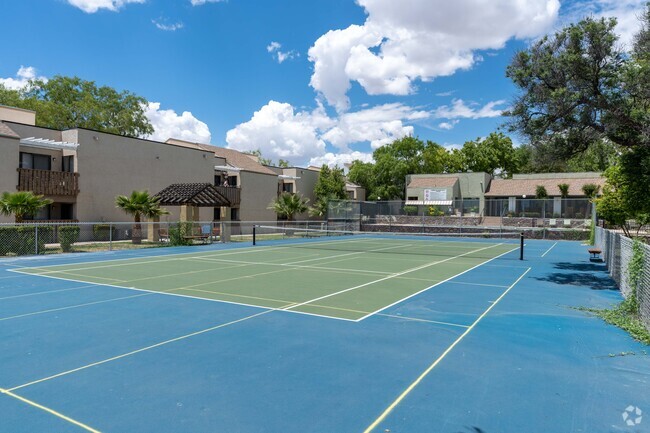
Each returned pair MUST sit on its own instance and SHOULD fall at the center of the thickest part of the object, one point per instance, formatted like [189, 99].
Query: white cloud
[410, 40]
[448, 125]
[378, 125]
[92, 6]
[160, 24]
[167, 124]
[459, 109]
[626, 12]
[202, 2]
[22, 78]
[280, 131]
[340, 159]
[279, 55]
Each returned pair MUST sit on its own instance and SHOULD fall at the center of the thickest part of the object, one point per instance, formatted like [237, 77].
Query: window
[217, 214]
[287, 187]
[35, 161]
[67, 211]
[234, 214]
[68, 164]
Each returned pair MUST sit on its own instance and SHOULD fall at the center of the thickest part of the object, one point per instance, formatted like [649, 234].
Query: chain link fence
[617, 253]
[33, 238]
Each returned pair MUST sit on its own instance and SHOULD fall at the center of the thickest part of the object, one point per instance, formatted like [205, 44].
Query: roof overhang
[429, 202]
[44, 143]
[287, 177]
[227, 168]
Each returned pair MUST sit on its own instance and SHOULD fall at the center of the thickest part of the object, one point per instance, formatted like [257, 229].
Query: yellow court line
[48, 410]
[426, 372]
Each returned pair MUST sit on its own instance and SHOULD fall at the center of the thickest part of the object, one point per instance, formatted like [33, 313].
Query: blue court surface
[496, 347]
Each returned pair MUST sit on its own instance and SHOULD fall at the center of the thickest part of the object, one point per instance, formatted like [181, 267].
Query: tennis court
[310, 331]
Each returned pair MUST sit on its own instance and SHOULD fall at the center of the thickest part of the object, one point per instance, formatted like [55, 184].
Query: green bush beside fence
[22, 240]
[68, 235]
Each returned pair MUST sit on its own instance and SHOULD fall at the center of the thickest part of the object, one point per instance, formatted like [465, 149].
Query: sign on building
[435, 194]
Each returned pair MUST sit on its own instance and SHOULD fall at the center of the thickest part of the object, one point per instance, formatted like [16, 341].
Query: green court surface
[347, 279]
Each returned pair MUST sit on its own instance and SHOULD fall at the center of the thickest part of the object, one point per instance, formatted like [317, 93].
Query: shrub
[590, 190]
[564, 189]
[21, 239]
[68, 235]
[177, 233]
[410, 210]
[434, 211]
[540, 192]
[103, 232]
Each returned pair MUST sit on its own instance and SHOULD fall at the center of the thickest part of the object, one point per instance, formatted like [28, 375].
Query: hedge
[68, 235]
[21, 240]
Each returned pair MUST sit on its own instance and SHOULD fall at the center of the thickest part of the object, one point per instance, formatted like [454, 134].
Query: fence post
[36, 238]
[110, 236]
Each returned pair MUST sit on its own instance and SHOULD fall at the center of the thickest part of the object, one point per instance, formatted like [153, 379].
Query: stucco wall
[257, 192]
[111, 165]
[8, 165]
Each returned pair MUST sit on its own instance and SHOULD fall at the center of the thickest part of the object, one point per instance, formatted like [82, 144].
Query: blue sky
[311, 81]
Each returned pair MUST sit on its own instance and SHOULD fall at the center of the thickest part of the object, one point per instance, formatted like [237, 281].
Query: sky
[308, 81]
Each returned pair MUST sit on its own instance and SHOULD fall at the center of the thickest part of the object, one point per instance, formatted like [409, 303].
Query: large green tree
[21, 204]
[329, 186]
[140, 204]
[494, 155]
[579, 87]
[70, 102]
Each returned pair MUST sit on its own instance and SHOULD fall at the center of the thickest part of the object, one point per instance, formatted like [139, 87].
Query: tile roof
[7, 131]
[432, 182]
[197, 194]
[238, 159]
[519, 187]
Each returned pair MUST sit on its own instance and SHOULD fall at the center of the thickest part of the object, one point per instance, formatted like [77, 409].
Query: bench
[200, 234]
[595, 253]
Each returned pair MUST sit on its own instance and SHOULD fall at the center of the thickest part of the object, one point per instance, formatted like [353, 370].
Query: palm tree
[21, 204]
[288, 204]
[139, 204]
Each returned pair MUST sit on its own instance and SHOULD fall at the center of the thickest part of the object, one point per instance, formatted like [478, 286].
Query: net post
[254, 234]
[521, 246]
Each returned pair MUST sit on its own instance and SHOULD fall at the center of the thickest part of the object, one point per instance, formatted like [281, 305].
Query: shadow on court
[592, 276]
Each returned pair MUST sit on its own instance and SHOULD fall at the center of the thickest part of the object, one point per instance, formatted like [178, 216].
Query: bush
[103, 232]
[434, 211]
[21, 239]
[177, 233]
[540, 192]
[68, 235]
[410, 210]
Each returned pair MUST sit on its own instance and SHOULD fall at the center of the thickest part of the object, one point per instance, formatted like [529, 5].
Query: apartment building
[82, 171]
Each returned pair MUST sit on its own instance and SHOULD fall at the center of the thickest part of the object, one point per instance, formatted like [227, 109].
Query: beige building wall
[111, 165]
[257, 192]
[9, 151]
[18, 115]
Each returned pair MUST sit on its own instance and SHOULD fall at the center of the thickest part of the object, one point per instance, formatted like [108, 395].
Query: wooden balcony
[232, 193]
[47, 182]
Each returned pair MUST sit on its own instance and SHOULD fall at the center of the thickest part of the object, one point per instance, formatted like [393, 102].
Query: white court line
[552, 246]
[434, 285]
[35, 313]
[417, 268]
[133, 352]
[426, 372]
[465, 283]
[415, 319]
[47, 292]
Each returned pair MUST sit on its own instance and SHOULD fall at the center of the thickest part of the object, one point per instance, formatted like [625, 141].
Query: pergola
[192, 195]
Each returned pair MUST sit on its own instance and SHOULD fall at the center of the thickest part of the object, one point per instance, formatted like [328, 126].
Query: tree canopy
[330, 186]
[70, 102]
[578, 87]
[22, 204]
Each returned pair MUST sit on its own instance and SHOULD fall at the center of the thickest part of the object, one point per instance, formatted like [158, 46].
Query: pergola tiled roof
[194, 194]
[432, 182]
[528, 187]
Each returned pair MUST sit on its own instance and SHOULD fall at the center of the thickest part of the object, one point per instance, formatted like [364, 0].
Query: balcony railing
[232, 193]
[47, 182]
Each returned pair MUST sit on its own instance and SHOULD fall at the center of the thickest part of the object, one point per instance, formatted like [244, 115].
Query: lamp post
[523, 205]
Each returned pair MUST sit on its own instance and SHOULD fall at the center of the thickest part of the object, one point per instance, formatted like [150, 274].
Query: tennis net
[477, 245]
